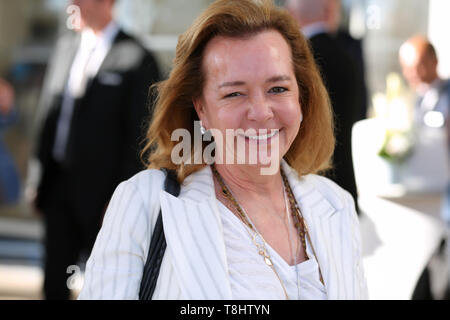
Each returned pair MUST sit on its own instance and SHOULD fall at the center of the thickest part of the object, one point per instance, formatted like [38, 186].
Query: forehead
[261, 54]
[409, 56]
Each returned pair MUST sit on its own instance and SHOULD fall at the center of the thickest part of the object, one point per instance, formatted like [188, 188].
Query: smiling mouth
[261, 137]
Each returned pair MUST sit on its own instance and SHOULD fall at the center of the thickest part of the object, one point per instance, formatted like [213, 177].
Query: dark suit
[339, 75]
[353, 47]
[101, 151]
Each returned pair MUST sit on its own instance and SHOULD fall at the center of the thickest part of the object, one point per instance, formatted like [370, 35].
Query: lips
[261, 137]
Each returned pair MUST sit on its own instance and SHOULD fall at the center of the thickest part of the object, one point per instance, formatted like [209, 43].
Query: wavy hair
[313, 147]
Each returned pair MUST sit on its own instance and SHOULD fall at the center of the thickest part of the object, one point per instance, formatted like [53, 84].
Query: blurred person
[419, 63]
[7, 97]
[340, 77]
[93, 106]
[235, 232]
[9, 178]
[354, 48]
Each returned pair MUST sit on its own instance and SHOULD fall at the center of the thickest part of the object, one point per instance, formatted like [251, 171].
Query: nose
[260, 109]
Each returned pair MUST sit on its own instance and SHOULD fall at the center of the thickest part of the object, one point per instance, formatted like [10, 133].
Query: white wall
[438, 28]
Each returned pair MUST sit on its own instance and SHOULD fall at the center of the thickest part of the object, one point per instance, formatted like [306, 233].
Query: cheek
[225, 116]
[233, 118]
[291, 117]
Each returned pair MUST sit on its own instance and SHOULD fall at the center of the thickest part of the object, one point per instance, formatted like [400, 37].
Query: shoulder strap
[157, 243]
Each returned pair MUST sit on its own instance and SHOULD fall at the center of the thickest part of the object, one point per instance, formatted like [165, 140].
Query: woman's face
[250, 84]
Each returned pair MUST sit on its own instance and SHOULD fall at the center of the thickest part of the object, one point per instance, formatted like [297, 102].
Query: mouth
[262, 137]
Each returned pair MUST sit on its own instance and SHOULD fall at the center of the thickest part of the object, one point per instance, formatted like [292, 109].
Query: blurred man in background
[353, 47]
[339, 75]
[9, 178]
[93, 104]
[419, 63]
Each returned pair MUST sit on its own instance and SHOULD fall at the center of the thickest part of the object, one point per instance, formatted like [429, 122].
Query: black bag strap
[157, 243]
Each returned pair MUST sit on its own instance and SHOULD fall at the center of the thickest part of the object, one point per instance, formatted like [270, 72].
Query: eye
[278, 90]
[232, 95]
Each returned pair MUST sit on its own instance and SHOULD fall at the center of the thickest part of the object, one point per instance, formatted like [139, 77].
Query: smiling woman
[235, 233]
[250, 84]
[216, 39]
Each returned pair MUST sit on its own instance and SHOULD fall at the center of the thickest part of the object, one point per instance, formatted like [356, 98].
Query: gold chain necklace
[295, 212]
[262, 250]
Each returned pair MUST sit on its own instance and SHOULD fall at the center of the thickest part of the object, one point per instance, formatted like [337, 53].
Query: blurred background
[403, 229]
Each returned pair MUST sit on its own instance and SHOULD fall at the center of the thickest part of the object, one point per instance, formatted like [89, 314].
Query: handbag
[157, 244]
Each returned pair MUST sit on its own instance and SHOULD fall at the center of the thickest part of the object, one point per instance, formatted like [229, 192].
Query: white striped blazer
[195, 264]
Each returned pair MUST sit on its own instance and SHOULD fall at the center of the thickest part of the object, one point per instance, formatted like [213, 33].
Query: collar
[104, 38]
[199, 186]
[436, 85]
[314, 29]
[109, 33]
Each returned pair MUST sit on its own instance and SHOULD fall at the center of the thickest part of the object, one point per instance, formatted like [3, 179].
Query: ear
[199, 106]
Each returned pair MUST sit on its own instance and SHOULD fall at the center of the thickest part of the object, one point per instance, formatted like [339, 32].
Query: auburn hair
[312, 149]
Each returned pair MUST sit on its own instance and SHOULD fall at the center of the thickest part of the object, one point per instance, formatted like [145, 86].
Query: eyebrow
[232, 84]
[279, 78]
[240, 83]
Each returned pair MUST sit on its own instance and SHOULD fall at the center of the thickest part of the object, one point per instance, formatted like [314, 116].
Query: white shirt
[430, 96]
[251, 278]
[88, 60]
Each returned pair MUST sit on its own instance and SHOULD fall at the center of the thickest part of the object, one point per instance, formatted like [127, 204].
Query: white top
[252, 279]
[197, 263]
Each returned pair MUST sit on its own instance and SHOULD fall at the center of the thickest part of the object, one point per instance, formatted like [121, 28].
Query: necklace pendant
[268, 261]
[266, 257]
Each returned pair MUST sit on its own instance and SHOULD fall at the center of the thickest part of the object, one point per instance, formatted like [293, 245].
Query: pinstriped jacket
[195, 263]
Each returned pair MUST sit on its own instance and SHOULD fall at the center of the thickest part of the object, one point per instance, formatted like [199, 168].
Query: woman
[236, 233]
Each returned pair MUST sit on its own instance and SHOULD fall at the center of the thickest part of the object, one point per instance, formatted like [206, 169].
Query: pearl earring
[202, 128]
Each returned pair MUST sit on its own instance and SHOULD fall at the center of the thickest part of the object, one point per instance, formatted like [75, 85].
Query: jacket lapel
[64, 60]
[323, 224]
[112, 60]
[193, 231]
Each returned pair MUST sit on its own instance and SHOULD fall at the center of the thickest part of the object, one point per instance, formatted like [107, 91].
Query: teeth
[263, 136]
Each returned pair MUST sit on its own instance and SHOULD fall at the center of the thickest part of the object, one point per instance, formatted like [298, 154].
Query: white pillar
[438, 27]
